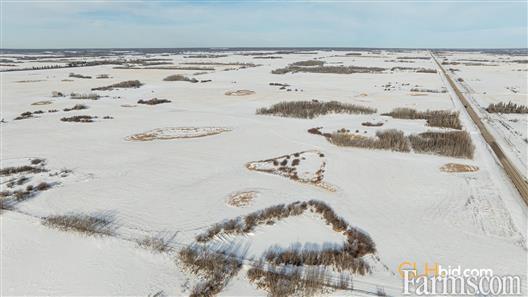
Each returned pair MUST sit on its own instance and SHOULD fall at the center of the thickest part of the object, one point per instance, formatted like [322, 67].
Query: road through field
[516, 178]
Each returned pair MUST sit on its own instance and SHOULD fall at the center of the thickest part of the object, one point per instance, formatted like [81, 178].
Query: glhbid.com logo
[435, 279]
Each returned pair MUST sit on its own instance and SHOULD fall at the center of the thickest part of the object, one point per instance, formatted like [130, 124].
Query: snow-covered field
[203, 146]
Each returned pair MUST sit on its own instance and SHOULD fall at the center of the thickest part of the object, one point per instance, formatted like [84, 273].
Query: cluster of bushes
[202, 56]
[78, 119]
[24, 115]
[123, 84]
[82, 223]
[28, 192]
[452, 144]
[309, 63]
[443, 90]
[76, 107]
[339, 258]
[20, 169]
[357, 245]
[390, 139]
[288, 282]
[153, 101]
[435, 118]
[79, 75]
[328, 69]
[509, 107]
[424, 70]
[217, 268]
[179, 77]
[312, 109]
[370, 124]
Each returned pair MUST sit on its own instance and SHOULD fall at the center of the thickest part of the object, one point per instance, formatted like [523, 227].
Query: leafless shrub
[78, 119]
[509, 107]
[43, 186]
[216, 267]
[314, 108]
[284, 282]
[388, 140]
[328, 69]
[79, 75]
[153, 101]
[309, 63]
[340, 258]
[82, 223]
[123, 84]
[76, 107]
[369, 124]
[451, 144]
[179, 77]
[435, 118]
[156, 244]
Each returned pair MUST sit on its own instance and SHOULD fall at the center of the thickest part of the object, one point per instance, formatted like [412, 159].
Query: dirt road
[516, 178]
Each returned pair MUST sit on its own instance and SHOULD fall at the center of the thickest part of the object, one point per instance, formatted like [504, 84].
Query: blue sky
[103, 24]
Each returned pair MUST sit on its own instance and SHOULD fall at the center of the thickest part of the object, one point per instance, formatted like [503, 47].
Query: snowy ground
[178, 187]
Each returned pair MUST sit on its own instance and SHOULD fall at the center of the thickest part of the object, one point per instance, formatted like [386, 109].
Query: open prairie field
[256, 172]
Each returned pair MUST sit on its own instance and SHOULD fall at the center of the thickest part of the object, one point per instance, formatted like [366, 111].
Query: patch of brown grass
[456, 167]
[82, 223]
[241, 199]
[239, 93]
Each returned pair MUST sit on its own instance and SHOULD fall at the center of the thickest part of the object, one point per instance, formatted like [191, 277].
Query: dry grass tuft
[91, 96]
[44, 102]
[435, 118]
[312, 109]
[451, 144]
[241, 199]
[82, 223]
[509, 107]
[156, 244]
